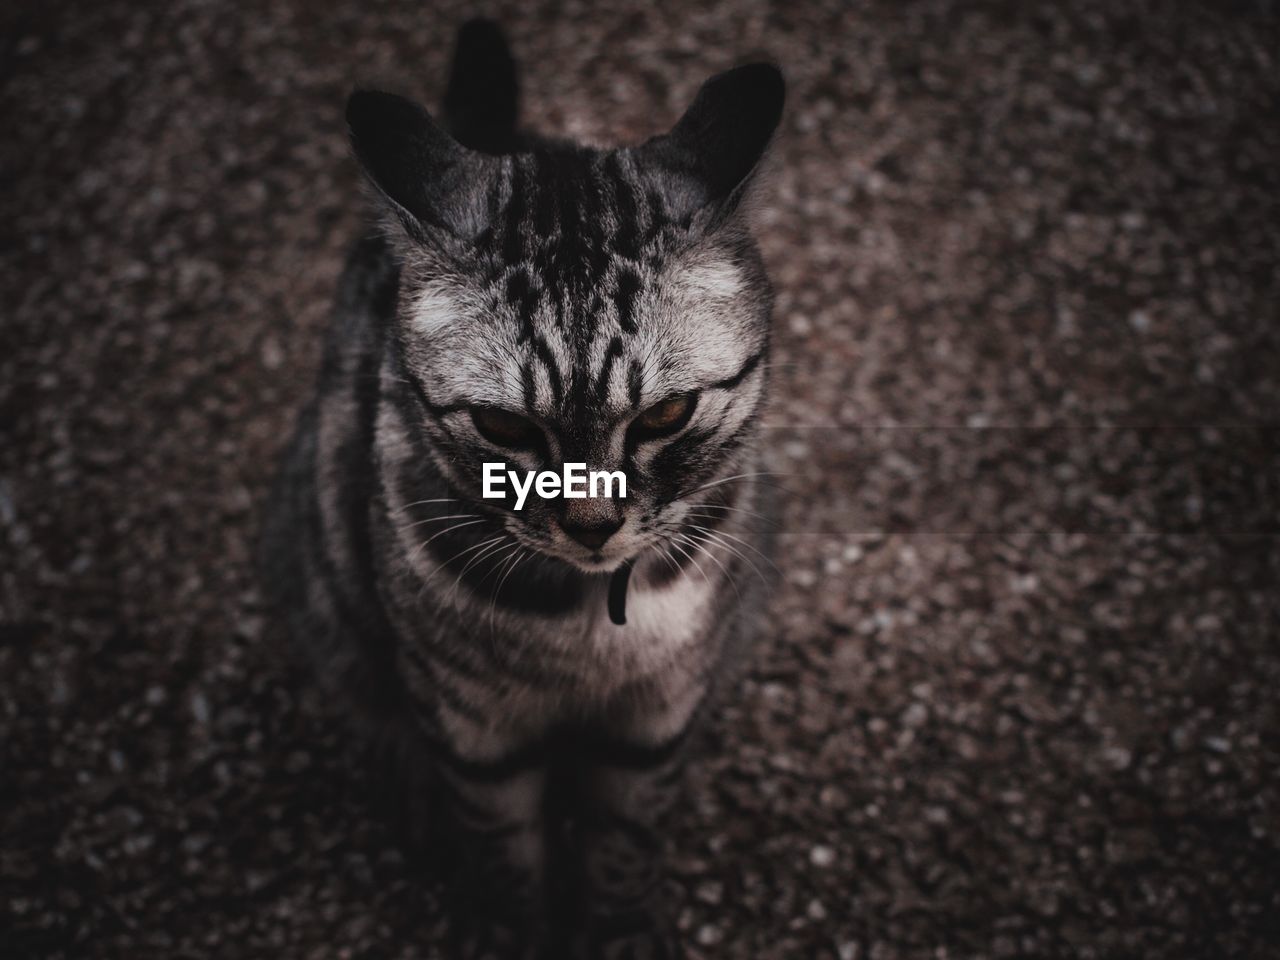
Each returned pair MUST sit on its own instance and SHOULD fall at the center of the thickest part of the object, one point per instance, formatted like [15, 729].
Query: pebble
[821, 856]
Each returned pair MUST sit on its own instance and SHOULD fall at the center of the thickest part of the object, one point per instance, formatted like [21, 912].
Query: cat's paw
[633, 937]
[495, 942]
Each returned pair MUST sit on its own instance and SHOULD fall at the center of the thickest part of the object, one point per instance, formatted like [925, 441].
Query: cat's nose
[591, 522]
[593, 534]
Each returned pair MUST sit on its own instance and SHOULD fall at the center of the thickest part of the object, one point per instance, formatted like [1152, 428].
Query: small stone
[710, 891]
[1117, 758]
[709, 935]
[200, 708]
[803, 577]
[915, 716]
[822, 856]
[272, 354]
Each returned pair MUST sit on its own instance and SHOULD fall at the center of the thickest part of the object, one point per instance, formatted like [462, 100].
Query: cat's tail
[481, 102]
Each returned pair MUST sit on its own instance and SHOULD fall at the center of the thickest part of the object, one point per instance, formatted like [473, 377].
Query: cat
[534, 675]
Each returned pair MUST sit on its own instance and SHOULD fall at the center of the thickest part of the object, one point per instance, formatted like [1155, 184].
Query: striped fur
[537, 743]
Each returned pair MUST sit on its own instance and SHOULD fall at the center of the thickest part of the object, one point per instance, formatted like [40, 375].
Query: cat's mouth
[597, 562]
[621, 549]
[608, 559]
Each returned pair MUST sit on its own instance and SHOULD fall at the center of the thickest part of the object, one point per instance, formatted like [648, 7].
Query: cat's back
[315, 552]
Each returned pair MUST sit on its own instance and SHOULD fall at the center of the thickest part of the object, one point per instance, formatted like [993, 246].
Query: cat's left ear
[430, 181]
[708, 159]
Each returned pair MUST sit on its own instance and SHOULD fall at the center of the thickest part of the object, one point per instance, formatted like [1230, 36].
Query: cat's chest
[661, 622]
[642, 677]
[668, 635]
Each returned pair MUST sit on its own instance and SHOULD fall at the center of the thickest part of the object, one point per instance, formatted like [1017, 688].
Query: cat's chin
[597, 566]
[597, 563]
[601, 563]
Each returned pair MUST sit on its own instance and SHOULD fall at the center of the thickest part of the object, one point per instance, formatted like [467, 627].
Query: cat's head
[569, 304]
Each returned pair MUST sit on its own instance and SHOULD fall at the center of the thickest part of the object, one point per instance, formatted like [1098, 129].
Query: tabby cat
[534, 674]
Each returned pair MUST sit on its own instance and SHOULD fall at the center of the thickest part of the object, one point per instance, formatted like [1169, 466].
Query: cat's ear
[709, 157]
[430, 181]
[481, 103]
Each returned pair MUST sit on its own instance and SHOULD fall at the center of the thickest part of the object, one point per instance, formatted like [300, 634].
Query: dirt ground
[1018, 695]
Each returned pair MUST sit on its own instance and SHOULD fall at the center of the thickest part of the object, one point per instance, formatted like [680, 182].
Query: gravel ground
[977, 727]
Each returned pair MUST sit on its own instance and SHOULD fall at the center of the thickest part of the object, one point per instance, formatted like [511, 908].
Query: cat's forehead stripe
[626, 290]
[544, 353]
[602, 381]
[576, 233]
[634, 383]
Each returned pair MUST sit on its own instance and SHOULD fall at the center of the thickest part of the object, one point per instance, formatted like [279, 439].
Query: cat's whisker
[738, 476]
[519, 557]
[498, 558]
[726, 508]
[716, 560]
[501, 560]
[451, 516]
[692, 559]
[488, 551]
[420, 503]
[440, 533]
[711, 538]
[751, 546]
[464, 552]
[666, 555]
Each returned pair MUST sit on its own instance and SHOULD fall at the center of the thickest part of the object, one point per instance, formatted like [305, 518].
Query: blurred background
[1017, 247]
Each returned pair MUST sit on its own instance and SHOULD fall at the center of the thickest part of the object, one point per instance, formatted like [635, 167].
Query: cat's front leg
[626, 787]
[496, 846]
[619, 905]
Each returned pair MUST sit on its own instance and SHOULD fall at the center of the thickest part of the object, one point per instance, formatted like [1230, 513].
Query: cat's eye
[506, 429]
[665, 417]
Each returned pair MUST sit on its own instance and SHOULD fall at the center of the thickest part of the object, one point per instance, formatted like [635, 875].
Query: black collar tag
[618, 593]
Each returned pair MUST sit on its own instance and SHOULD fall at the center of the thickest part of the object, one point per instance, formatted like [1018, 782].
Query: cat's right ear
[429, 180]
[710, 156]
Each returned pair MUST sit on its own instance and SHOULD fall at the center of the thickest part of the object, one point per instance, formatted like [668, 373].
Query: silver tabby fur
[536, 744]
